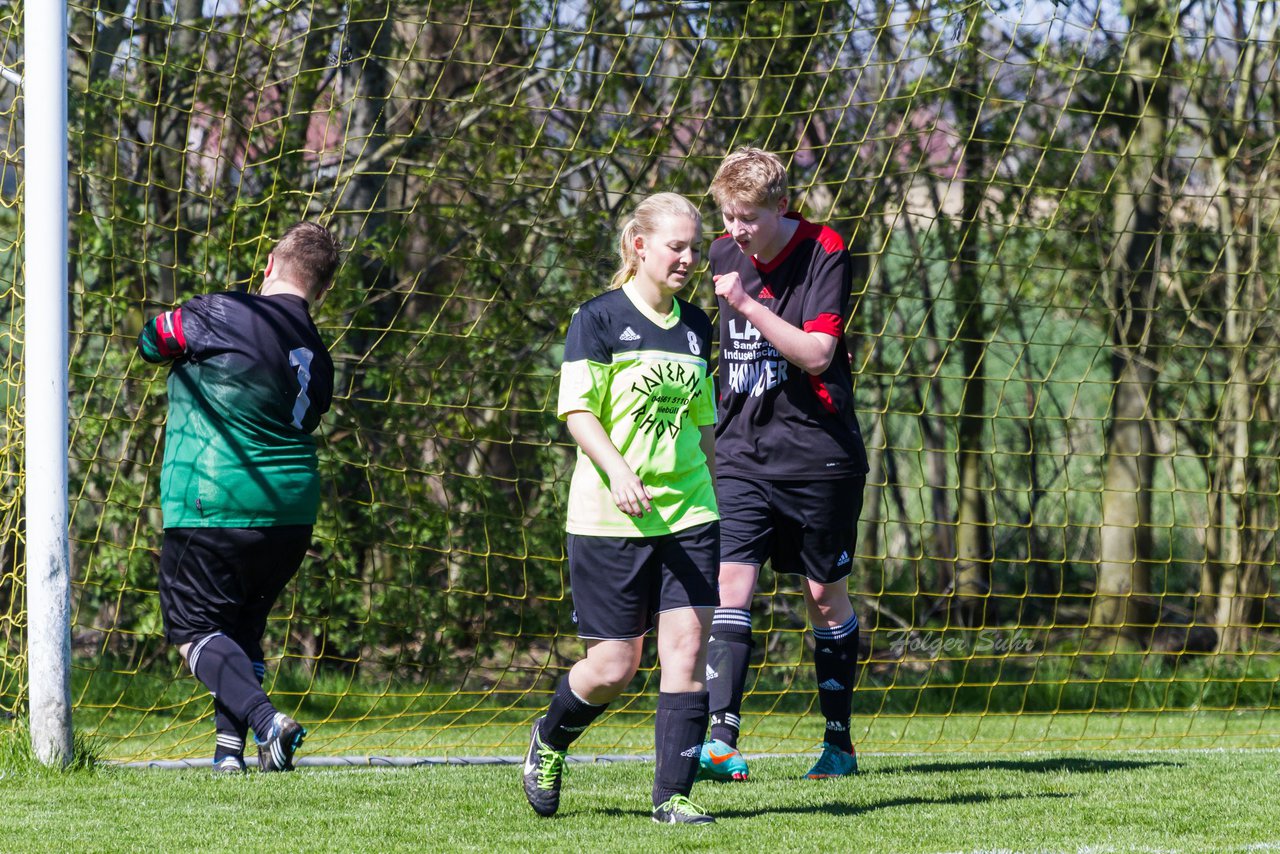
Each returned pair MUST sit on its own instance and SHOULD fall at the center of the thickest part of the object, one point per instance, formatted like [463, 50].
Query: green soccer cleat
[543, 771]
[678, 809]
[833, 762]
[722, 763]
[275, 753]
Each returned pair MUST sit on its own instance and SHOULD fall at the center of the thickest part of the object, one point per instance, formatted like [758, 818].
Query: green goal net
[1064, 224]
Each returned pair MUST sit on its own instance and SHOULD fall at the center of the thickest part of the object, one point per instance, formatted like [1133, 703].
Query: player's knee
[830, 602]
[737, 584]
[683, 649]
[614, 673]
[617, 676]
[190, 652]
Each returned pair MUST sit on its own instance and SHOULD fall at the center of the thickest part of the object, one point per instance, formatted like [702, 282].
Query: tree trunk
[174, 93]
[1122, 607]
[971, 603]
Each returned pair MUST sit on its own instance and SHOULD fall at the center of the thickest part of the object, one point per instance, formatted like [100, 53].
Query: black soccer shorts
[620, 584]
[226, 580]
[804, 528]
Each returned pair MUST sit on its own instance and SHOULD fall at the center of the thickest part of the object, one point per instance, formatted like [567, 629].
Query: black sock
[679, 730]
[220, 663]
[728, 657]
[231, 732]
[835, 661]
[567, 717]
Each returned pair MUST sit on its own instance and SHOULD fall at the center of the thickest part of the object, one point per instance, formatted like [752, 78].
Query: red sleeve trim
[172, 343]
[824, 395]
[829, 324]
[177, 329]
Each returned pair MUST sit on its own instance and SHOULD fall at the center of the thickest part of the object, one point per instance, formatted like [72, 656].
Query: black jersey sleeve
[586, 339]
[826, 296]
[584, 374]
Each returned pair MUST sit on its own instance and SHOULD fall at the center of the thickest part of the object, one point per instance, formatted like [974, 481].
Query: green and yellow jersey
[647, 378]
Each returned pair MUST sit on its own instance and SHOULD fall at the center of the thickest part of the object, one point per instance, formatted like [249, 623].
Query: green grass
[1063, 702]
[502, 732]
[1119, 801]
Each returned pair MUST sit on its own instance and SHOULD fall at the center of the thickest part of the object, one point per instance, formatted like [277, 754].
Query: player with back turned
[790, 461]
[249, 378]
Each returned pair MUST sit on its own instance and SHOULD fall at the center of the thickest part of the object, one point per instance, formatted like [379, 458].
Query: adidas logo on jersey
[628, 334]
[765, 293]
[844, 559]
[831, 685]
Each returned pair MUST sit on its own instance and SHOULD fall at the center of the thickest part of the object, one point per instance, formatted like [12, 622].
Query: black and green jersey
[646, 377]
[249, 381]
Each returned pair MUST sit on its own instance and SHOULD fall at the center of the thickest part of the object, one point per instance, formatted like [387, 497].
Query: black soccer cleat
[678, 809]
[543, 771]
[276, 752]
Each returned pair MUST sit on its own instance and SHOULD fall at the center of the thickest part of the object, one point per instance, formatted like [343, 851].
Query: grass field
[1184, 800]
[475, 729]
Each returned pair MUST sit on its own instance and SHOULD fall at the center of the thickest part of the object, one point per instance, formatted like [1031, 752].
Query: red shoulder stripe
[830, 324]
[177, 329]
[829, 240]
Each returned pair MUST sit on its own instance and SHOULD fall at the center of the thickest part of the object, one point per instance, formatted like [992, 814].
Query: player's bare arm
[628, 491]
[810, 351]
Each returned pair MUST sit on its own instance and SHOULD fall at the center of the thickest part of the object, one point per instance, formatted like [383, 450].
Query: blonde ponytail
[627, 252]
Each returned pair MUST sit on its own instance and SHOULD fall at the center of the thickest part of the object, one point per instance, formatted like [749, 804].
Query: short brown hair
[750, 176]
[309, 254]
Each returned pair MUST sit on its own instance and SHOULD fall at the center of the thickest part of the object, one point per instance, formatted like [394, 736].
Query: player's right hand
[729, 288]
[630, 494]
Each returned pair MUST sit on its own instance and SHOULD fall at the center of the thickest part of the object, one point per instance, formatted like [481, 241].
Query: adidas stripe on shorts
[804, 528]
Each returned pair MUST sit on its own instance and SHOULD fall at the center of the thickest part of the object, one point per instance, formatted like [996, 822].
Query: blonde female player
[643, 528]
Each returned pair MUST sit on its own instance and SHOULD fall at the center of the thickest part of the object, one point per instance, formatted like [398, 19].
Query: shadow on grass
[1048, 765]
[839, 809]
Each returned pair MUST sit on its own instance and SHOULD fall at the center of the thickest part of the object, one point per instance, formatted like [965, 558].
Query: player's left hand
[729, 288]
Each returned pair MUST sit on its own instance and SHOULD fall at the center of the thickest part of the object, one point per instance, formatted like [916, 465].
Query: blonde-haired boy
[790, 460]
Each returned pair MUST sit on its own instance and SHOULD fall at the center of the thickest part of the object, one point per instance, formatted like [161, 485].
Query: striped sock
[835, 662]
[230, 733]
[728, 658]
[225, 669]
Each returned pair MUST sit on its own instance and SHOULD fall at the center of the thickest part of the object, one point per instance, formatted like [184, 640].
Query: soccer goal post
[44, 93]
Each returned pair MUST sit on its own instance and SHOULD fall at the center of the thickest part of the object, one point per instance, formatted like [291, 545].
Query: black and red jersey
[776, 421]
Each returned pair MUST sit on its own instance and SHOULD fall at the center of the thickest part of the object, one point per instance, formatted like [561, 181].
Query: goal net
[1063, 219]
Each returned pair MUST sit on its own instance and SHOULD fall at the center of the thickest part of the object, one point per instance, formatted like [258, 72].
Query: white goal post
[45, 434]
